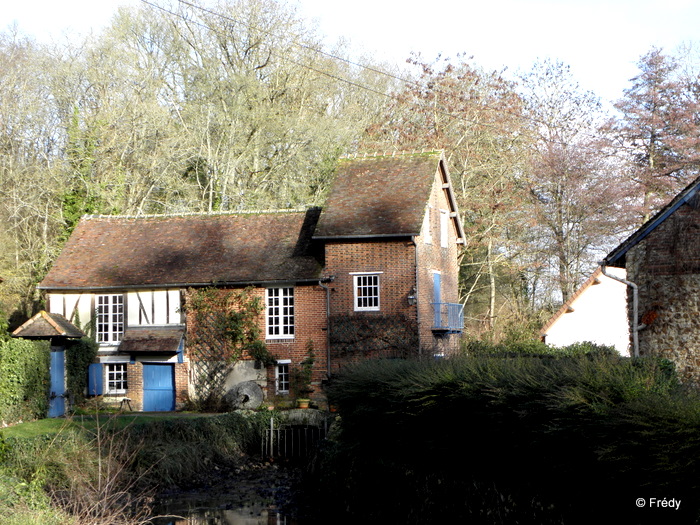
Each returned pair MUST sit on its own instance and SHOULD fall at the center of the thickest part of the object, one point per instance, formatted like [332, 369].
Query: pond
[264, 495]
[219, 512]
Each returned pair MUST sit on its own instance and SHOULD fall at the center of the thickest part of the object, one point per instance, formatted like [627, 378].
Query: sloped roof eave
[568, 304]
[617, 257]
[235, 284]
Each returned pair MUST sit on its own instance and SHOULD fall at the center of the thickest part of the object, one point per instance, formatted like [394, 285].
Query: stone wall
[665, 266]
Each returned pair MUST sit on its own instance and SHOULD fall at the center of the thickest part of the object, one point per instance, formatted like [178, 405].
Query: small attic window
[427, 230]
[444, 228]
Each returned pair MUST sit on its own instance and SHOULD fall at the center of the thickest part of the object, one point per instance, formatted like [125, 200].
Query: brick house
[372, 273]
[662, 259]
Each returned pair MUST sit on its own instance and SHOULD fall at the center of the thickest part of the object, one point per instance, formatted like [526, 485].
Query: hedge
[506, 440]
[24, 380]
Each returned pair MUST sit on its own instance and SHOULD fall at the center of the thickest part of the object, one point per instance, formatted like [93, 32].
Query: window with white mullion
[282, 379]
[280, 313]
[110, 318]
[116, 378]
[366, 289]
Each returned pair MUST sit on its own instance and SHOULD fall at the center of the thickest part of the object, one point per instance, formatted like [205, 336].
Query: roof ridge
[399, 153]
[197, 214]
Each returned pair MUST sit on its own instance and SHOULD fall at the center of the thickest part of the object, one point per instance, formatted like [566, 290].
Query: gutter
[162, 286]
[636, 327]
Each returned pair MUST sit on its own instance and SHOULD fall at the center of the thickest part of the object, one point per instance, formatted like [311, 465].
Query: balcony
[448, 318]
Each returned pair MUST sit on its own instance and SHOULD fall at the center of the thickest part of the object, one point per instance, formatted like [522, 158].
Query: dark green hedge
[512, 440]
[24, 380]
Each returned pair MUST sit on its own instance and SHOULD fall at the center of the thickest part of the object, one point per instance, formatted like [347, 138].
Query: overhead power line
[432, 107]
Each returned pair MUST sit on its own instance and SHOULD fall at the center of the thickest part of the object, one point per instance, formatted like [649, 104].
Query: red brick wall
[433, 257]
[395, 259]
[134, 374]
[134, 377]
[309, 328]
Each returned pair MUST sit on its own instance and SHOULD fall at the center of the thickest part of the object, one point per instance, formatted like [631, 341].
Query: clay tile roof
[114, 252]
[379, 196]
[149, 340]
[45, 325]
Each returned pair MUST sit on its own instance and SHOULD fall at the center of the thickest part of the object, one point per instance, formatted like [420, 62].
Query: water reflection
[239, 516]
[204, 511]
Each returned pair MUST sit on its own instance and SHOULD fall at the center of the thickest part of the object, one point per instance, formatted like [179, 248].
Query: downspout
[418, 318]
[328, 323]
[635, 307]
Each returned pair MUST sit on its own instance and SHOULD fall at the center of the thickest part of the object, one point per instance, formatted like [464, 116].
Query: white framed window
[115, 378]
[280, 313]
[444, 228]
[366, 291]
[282, 376]
[110, 318]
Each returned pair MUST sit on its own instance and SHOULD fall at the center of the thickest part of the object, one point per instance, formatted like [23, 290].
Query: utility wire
[332, 56]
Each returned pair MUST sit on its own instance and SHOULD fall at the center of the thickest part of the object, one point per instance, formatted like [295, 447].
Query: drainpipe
[328, 323]
[635, 307]
[417, 278]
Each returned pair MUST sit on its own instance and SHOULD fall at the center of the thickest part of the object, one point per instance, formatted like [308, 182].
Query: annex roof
[165, 340]
[111, 252]
[689, 195]
[382, 196]
[45, 325]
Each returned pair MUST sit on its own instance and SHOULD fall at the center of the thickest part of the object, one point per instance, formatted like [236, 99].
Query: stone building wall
[665, 266]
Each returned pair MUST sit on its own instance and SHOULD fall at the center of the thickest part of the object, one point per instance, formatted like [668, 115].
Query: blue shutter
[95, 379]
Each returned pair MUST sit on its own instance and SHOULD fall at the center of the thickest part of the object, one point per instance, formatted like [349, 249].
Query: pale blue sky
[600, 39]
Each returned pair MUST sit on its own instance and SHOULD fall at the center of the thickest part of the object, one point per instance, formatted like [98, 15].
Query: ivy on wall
[79, 355]
[222, 328]
[24, 379]
[373, 335]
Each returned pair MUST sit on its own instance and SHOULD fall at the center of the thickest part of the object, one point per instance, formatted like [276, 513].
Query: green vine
[373, 336]
[222, 328]
[303, 373]
[79, 355]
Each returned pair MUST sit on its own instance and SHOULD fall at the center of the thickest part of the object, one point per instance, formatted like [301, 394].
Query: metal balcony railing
[448, 318]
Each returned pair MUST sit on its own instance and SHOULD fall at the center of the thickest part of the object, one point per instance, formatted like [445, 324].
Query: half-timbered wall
[142, 308]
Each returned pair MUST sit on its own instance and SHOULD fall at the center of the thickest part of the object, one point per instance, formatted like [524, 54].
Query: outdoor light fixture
[412, 300]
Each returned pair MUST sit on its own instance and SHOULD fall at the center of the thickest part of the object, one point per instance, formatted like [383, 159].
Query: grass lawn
[88, 422]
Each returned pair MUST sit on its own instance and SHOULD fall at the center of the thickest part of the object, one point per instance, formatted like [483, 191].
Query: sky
[601, 40]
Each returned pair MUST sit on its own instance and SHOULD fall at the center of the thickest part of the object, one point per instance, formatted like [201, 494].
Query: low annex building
[596, 313]
[372, 273]
[662, 259]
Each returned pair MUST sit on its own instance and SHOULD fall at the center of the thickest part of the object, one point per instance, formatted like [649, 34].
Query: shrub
[504, 440]
[24, 379]
[534, 348]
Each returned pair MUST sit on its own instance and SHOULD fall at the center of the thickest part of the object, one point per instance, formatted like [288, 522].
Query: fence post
[272, 437]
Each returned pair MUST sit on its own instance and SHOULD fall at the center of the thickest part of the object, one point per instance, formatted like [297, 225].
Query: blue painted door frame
[57, 401]
[158, 387]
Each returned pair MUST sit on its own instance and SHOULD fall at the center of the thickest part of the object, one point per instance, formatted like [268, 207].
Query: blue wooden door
[158, 387]
[57, 401]
[437, 298]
